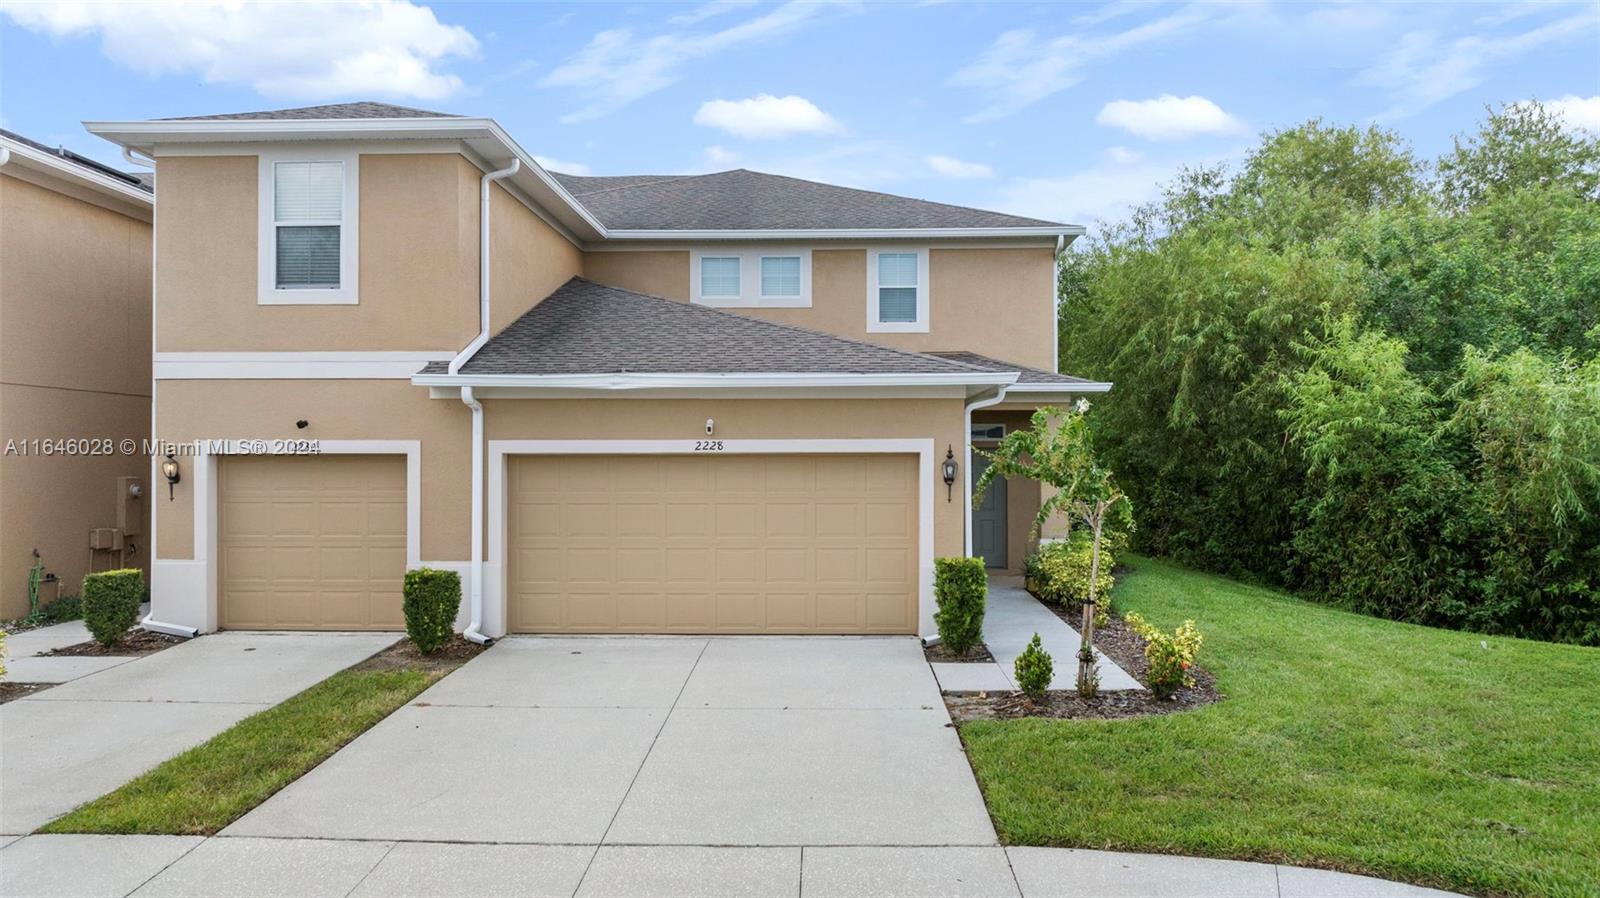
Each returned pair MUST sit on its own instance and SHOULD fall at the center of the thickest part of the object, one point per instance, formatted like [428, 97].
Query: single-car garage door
[713, 544]
[312, 542]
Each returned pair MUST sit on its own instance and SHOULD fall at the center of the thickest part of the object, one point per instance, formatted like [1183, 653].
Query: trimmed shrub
[1033, 670]
[1063, 574]
[961, 590]
[111, 603]
[69, 608]
[1170, 655]
[432, 598]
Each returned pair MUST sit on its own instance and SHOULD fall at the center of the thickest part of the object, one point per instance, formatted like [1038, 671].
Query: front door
[989, 518]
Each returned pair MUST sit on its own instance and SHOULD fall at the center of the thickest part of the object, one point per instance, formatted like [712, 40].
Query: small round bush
[432, 598]
[960, 590]
[1034, 670]
[110, 603]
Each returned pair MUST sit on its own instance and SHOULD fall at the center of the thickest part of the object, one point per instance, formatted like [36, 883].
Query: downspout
[5, 156]
[142, 160]
[474, 631]
[966, 487]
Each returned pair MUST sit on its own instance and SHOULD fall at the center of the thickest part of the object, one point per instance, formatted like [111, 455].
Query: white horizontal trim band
[1087, 387]
[294, 365]
[845, 233]
[616, 381]
[72, 171]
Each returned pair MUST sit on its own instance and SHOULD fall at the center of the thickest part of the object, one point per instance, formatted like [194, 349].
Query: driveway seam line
[800, 887]
[167, 866]
[1005, 851]
[386, 853]
[642, 761]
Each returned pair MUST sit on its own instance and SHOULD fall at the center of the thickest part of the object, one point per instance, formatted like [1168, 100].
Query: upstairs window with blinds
[307, 215]
[719, 277]
[898, 291]
[757, 277]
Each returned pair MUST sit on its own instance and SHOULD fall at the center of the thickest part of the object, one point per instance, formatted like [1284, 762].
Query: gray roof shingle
[143, 180]
[741, 200]
[589, 328]
[363, 109]
[1028, 375]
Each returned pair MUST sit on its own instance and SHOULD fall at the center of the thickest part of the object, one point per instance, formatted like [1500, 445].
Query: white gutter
[143, 160]
[1061, 232]
[966, 484]
[5, 156]
[474, 630]
[702, 380]
[483, 265]
[72, 171]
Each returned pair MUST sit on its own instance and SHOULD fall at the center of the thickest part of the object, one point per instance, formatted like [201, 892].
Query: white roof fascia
[67, 170]
[700, 381]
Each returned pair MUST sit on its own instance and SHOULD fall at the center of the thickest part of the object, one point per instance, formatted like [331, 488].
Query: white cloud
[566, 168]
[1098, 193]
[1577, 113]
[617, 67]
[717, 155]
[1123, 155]
[765, 117]
[952, 167]
[1168, 117]
[1020, 69]
[1423, 70]
[307, 51]
[710, 11]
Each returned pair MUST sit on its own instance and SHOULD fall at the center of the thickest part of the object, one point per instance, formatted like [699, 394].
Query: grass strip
[1442, 758]
[213, 784]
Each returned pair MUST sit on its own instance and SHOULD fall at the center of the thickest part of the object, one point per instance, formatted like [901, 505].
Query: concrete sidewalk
[172, 866]
[25, 662]
[1009, 622]
[77, 741]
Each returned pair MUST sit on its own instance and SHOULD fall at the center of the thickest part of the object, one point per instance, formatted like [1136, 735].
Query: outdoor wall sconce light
[302, 424]
[949, 473]
[169, 470]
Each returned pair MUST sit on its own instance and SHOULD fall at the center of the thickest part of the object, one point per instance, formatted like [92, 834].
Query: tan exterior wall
[684, 419]
[418, 258]
[337, 410]
[997, 302]
[74, 364]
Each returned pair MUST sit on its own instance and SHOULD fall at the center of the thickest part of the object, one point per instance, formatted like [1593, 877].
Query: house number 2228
[708, 445]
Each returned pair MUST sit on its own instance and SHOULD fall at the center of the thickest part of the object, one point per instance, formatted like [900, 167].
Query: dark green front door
[989, 518]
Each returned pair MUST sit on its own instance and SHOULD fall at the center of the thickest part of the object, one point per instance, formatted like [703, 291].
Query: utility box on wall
[130, 505]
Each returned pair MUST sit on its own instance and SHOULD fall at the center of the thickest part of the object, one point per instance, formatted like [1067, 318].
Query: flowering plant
[1170, 655]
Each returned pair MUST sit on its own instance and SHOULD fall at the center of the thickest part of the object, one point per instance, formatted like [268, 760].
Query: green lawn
[213, 784]
[1447, 759]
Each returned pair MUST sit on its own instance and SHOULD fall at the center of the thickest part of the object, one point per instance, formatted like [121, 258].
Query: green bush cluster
[961, 590]
[1059, 573]
[1368, 378]
[1033, 669]
[111, 603]
[1171, 656]
[432, 599]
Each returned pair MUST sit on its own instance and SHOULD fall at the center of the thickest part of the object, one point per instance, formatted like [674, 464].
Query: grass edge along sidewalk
[215, 783]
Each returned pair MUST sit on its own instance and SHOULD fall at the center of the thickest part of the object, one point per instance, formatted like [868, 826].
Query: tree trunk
[1086, 652]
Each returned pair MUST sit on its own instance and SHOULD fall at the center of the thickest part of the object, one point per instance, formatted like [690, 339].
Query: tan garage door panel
[312, 542]
[713, 544]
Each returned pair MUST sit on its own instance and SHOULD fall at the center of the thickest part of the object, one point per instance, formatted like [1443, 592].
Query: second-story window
[308, 240]
[742, 278]
[897, 290]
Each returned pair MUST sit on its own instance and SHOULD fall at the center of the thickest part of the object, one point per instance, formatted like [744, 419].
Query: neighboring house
[672, 404]
[74, 368]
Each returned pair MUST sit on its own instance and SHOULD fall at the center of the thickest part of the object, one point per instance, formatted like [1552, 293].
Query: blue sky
[1069, 112]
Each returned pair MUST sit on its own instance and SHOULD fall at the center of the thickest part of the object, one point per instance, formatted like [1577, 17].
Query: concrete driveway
[759, 741]
[79, 740]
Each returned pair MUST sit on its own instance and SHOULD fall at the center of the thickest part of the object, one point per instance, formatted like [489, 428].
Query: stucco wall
[418, 260]
[997, 302]
[74, 364]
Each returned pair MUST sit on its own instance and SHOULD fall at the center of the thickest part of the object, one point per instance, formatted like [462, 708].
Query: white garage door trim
[185, 591]
[495, 587]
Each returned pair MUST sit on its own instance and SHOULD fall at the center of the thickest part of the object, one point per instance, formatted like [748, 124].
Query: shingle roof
[589, 328]
[363, 109]
[137, 179]
[1028, 375]
[748, 200]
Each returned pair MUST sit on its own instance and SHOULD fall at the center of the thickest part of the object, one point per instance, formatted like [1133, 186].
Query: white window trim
[267, 290]
[750, 295]
[920, 326]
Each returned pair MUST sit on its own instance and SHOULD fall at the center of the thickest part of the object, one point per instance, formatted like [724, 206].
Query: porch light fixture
[950, 470]
[169, 470]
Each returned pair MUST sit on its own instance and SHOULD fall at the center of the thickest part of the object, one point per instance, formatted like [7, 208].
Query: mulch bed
[10, 691]
[940, 654]
[1116, 641]
[404, 654]
[135, 642]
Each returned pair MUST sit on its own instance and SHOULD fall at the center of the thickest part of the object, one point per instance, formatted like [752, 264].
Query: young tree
[1057, 450]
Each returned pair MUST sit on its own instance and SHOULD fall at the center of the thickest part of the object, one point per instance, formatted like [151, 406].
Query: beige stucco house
[74, 369]
[387, 338]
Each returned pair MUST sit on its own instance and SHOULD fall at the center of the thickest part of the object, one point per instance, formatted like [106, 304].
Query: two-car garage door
[712, 544]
